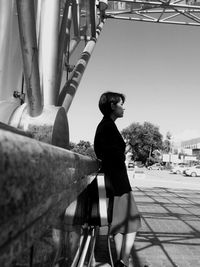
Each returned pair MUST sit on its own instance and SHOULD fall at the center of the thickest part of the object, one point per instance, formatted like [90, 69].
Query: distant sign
[187, 151]
[171, 158]
[190, 158]
[165, 157]
[174, 158]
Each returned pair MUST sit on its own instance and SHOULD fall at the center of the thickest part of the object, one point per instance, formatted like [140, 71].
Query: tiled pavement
[170, 232]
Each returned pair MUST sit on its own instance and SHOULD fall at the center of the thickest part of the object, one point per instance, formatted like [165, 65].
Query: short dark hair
[106, 99]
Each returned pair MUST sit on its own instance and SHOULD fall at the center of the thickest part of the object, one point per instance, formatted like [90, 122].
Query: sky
[156, 66]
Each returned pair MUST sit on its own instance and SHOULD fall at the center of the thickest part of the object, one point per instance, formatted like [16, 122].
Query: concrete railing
[37, 183]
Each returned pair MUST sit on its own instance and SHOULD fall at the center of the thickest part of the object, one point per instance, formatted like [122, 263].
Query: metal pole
[27, 29]
[38, 32]
[76, 17]
[50, 18]
[85, 249]
[64, 39]
[68, 92]
[92, 8]
[6, 12]
[38, 19]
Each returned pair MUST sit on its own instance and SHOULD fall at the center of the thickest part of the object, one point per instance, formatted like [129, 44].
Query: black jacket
[110, 147]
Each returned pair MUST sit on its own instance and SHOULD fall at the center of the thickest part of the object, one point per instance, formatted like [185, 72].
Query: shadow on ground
[170, 232]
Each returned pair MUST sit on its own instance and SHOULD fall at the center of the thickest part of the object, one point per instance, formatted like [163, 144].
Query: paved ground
[170, 233]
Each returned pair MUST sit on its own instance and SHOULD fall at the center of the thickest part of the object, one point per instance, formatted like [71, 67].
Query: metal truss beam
[181, 12]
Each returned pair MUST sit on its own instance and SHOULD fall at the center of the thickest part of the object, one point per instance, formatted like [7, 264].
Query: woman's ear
[112, 106]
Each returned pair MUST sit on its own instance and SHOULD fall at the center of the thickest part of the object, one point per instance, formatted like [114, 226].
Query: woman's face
[118, 109]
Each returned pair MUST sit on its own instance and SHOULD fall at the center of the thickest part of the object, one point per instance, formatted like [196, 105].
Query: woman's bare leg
[118, 238]
[128, 241]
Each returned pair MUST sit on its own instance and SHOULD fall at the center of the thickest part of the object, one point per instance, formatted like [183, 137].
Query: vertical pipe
[76, 17]
[50, 18]
[27, 29]
[92, 17]
[38, 19]
[64, 39]
[67, 94]
[5, 17]
[5, 12]
[38, 32]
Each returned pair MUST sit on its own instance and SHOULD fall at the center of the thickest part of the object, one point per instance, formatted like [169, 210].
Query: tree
[84, 148]
[145, 139]
[167, 143]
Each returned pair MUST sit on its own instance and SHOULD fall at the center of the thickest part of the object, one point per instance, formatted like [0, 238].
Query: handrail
[38, 181]
[9, 128]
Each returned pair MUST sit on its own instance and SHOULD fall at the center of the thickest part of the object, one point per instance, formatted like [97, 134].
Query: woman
[110, 148]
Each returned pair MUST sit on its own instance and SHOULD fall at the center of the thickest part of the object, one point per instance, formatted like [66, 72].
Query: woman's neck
[113, 117]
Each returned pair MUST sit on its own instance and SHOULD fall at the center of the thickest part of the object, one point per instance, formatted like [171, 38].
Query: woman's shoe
[119, 263]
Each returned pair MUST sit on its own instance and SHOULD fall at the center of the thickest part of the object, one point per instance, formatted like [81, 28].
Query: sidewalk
[170, 233]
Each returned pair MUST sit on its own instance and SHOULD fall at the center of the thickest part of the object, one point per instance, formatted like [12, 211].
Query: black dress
[110, 147]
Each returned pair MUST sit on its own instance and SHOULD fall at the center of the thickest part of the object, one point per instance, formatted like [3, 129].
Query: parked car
[179, 169]
[131, 164]
[155, 166]
[139, 164]
[193, 171]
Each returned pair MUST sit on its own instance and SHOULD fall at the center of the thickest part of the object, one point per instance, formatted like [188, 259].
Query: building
[192, 147]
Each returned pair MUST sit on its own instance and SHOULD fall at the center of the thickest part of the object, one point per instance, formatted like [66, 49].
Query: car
[179, 169]
[155, 166]
[193, 171]
[131, 164]
[139, 164]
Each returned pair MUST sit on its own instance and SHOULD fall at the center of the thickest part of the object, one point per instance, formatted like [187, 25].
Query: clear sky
[155, 65]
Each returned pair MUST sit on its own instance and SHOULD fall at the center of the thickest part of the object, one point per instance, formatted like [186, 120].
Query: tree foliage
[83, 148]
[167, 143]
[145, 139]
